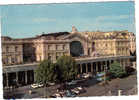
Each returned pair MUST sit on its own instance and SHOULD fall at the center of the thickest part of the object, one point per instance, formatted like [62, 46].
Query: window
[16, 48]
[106, 45]
[6, 60]
[49, 47]
[56, 57]
[93, 46]
[64, 47]
[56, 47]
[12, 59]
[7, 49]
[49, 56]
[16, 60]
[40, 58]
[118, 43]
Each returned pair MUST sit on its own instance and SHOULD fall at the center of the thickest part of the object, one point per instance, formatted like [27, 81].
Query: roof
[55, 34]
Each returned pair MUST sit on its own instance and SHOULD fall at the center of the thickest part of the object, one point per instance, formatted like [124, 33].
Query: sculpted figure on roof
[74, 29]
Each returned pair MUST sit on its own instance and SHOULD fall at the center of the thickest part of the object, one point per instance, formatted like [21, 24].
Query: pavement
[93, 88]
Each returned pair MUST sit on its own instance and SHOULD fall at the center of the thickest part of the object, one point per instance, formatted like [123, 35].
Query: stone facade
[111, 43]
[51, 46]
[132, 42]
[12, 51]
[93, 52]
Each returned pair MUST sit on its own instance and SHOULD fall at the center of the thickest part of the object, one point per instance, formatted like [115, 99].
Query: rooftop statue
[74, 29]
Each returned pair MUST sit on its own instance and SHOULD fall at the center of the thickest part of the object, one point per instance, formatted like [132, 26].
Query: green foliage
[45, 72]
[116, 70]
[63, 70]
[67, 67]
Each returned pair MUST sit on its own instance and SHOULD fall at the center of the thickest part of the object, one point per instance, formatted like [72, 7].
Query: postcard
[68, 50]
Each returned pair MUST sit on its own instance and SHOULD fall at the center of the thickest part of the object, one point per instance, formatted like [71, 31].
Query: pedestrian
[110, 93]
[30, 92]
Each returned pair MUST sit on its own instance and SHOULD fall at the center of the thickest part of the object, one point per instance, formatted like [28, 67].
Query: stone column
[101, 66]
[7, 80]
[96, 66]
[124, 63]
[81, 69]
[120, 62]
[105, 66]
[86, 68]
[91, 67]
[54, 57]
[26, 77]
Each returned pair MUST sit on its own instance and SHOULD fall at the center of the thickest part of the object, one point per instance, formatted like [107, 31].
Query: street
[124, 84]
[92, 89]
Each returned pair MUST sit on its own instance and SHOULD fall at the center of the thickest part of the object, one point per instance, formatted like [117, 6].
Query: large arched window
[76, 49]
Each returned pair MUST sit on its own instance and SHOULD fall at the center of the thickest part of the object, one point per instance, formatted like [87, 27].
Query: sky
[21, 21]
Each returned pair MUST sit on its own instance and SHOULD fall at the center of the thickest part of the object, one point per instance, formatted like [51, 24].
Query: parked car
[102, 76]
[34, 86]
[51, 84]
[52, 96]
[76, 91]
[41, 85]
[37, 85]
[70, 94]
[72, 82]
[81, 89]
[57, 95]
[86, 75]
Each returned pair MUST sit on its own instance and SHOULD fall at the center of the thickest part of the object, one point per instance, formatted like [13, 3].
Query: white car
[75, 91]
[37, 85]
[57, 95]
[51, 84]
[34, 85]
[41, 85]
[73, 82]
[79, 88]
[86, 75]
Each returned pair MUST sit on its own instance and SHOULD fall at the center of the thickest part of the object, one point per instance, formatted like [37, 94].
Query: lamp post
[105, 73]
[105, 81]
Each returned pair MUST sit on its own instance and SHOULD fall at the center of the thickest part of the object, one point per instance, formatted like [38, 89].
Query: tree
[116, 70]
[46, 72]
[67, 68]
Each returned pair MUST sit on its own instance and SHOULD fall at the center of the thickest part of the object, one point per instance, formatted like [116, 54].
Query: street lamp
[105, 81]
[105, 73]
